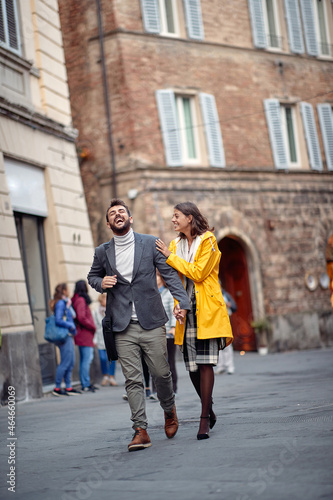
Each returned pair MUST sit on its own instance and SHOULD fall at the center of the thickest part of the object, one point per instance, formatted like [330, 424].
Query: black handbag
[109, 340]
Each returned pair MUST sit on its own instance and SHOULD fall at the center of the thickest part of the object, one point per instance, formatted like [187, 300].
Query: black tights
[203, 381]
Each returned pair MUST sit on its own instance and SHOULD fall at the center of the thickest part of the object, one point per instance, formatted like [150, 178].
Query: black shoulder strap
[108, 306]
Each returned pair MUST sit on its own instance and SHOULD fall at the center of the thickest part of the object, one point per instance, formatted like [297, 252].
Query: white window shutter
[212, 130]
[9, 28]
[151, 16]
[326, 125]
[258, 24]
[294, 26]
[311, 136]
[166, 105]
[274, 123]
[309, 24]
[194, 19]
[2, 23]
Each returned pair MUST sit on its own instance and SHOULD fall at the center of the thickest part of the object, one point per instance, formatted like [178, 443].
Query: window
[311, 136]
[163, 17]
[315, 25]
[188, 129]
[9, 32]
[265, 24]
[326, 126]
[271, 23]
[183, 119]
[169, 17]
[309, 25]
[285, 137]
[294, 26]
[321, 18]
[290, 134]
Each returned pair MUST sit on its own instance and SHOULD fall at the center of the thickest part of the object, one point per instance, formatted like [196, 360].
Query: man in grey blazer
[125, 267]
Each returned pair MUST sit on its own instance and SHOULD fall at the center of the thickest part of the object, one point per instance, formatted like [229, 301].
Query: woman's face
[65, 292]
[181, 222]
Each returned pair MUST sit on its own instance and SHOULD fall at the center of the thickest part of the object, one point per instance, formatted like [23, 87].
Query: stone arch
[253, 261]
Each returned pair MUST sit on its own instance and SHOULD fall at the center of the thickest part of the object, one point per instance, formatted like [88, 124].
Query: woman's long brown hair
[58, 293]
[199, 222]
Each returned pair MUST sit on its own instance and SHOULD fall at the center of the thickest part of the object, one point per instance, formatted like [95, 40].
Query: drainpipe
[106, 99]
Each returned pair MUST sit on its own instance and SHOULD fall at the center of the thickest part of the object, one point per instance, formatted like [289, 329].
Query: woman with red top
[85, 328]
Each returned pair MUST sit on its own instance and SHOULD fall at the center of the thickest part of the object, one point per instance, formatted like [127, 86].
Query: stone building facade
[229, 105]
[45, 236]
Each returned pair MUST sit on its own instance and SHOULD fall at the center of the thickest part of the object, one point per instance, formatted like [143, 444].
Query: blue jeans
[106, 367]
[86, 357]
[64, 369]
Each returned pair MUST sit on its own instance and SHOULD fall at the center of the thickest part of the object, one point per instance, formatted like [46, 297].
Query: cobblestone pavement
[273, 439]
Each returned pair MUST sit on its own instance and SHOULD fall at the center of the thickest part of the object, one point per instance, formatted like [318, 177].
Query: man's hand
[109, 281]
[179, 314]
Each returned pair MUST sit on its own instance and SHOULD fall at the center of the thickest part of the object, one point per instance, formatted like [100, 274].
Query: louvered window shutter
[169, 126]
[258, 24]
[9, 32]
[212, 130]
[194, 19]
[326, 125]
[294, 26]
[311, 136]
[151, 16]
[310, 33]
[274, 123]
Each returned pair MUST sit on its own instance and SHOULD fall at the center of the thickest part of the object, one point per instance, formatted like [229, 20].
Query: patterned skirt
[198, 351]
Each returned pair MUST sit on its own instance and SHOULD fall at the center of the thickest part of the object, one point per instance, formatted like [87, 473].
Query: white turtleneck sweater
[124, 249]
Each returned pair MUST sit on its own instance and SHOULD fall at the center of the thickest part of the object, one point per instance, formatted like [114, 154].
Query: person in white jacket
[226, 357]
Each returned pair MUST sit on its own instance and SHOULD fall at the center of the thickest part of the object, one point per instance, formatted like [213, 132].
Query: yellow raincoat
[212, 315]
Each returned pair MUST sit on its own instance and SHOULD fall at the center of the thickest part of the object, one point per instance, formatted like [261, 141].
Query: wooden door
[235, 280]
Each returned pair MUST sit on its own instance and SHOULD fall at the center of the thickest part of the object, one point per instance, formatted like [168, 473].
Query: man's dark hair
[114, 202]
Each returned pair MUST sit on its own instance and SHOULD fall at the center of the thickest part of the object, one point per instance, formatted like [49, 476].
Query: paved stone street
[273, 439]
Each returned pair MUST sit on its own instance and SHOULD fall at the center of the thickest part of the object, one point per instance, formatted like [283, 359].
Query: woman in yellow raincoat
[196, 256]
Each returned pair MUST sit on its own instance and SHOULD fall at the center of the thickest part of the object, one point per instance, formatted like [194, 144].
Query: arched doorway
[234, 277]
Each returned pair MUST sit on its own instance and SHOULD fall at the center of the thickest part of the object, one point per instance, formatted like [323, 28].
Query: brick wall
[287, 216]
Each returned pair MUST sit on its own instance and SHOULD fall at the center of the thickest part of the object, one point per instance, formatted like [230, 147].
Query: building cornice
[267, 53]
[36, 121]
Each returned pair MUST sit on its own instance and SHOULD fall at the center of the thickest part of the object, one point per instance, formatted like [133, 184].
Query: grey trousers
[131, 344]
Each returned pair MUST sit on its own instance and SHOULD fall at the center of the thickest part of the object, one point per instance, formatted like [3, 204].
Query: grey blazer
[142, 290]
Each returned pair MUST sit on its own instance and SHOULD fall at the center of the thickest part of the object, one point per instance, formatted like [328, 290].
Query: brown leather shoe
[140, 440]
[171, 423]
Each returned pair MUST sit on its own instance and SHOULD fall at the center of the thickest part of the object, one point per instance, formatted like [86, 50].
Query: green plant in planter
[262, 327]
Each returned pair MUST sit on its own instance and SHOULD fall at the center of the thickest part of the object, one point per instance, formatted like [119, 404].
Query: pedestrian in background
[108, 368]
[196, 257]
[168, 304]
[85, 327]
[64, 314]
[226, 356]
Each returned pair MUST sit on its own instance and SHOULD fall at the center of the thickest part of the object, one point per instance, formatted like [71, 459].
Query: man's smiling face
[119, 220]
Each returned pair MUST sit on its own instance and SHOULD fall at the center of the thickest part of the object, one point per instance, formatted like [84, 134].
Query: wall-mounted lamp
[132, 194]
